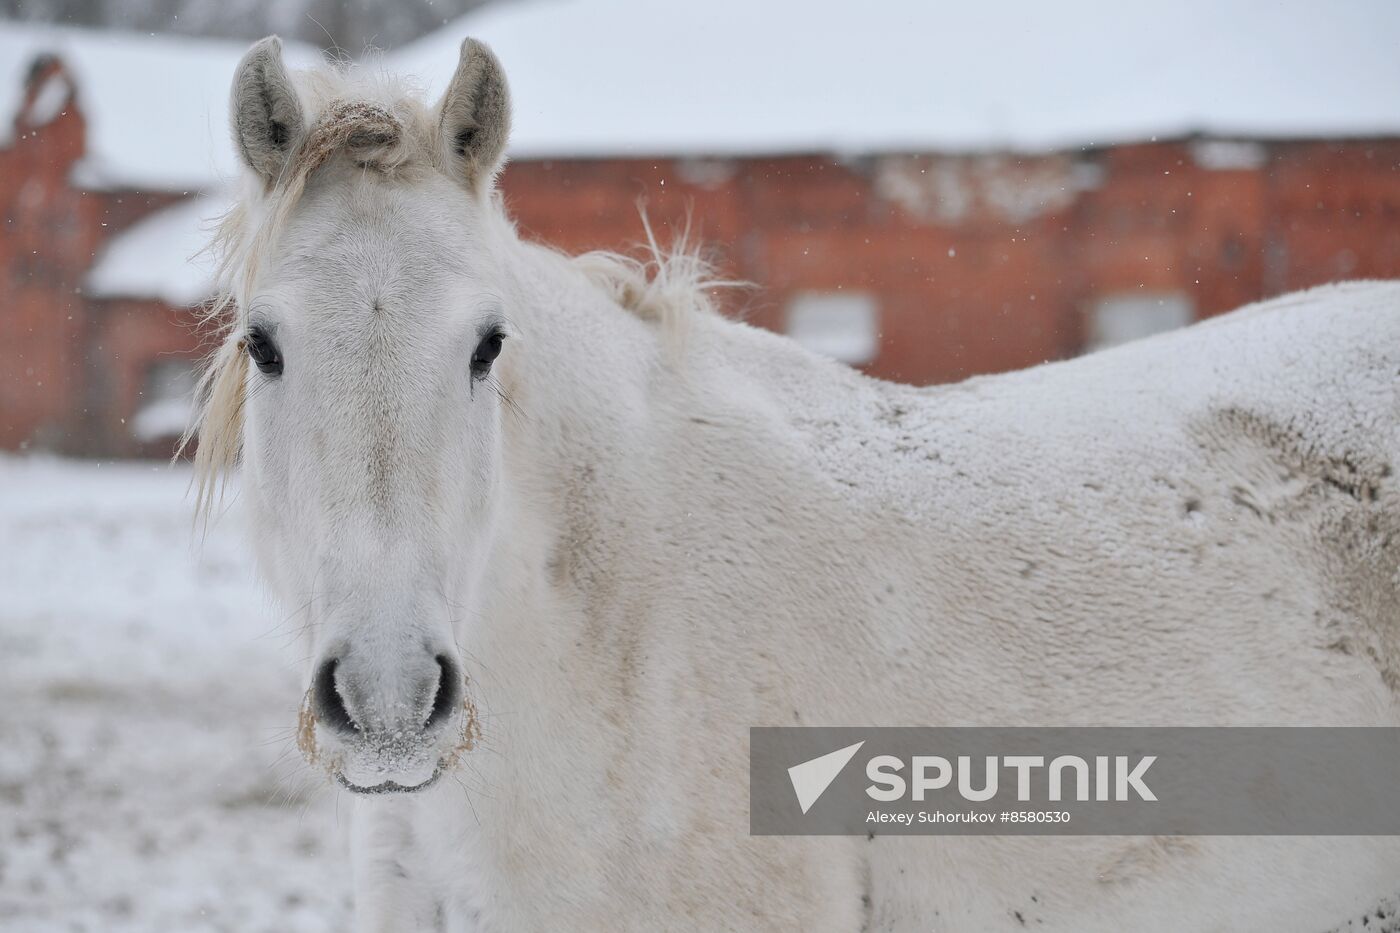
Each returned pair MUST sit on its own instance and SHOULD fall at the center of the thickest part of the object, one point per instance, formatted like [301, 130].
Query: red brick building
[57, 346]
[921, 267]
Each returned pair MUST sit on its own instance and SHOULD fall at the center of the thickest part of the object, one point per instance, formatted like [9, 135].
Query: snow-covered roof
[156, 106]
[161, 256]
[634, 77]
[638, 77]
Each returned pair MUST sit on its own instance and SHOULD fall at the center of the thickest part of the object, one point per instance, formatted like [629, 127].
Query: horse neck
[580, 388]
[599, 390]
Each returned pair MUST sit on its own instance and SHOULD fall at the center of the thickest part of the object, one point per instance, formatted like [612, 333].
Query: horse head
[361, 382]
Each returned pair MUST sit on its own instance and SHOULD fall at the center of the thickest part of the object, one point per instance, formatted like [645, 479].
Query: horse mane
[382, 125]
[671, 285]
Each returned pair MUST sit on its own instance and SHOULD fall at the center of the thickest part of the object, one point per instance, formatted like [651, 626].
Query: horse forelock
[374, 120]
[371, 134]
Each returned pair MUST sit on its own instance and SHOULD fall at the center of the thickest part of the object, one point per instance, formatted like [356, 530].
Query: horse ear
[265, 110]
[475, 117]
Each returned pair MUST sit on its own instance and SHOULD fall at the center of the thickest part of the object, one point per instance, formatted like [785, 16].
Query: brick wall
[991, 263]
[50, 344]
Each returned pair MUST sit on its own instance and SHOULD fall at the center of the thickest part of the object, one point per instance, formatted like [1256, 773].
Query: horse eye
[263, 352]
[486, 353]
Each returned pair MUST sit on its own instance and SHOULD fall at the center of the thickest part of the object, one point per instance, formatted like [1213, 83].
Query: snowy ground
[147, 687]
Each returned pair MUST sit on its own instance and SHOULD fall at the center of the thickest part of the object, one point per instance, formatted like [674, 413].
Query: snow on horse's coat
[641, 549]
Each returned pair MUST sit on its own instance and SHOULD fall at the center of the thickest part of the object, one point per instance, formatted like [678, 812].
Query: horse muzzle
[386, 725]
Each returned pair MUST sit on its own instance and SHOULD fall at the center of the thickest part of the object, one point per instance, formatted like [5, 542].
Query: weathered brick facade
[984, 264]
[973, 264]
[66, 362]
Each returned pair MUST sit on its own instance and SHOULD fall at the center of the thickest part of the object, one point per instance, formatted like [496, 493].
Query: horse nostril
[327, 702]
[449, 692]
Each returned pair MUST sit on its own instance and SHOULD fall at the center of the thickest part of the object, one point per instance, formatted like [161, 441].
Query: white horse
[564, 534]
